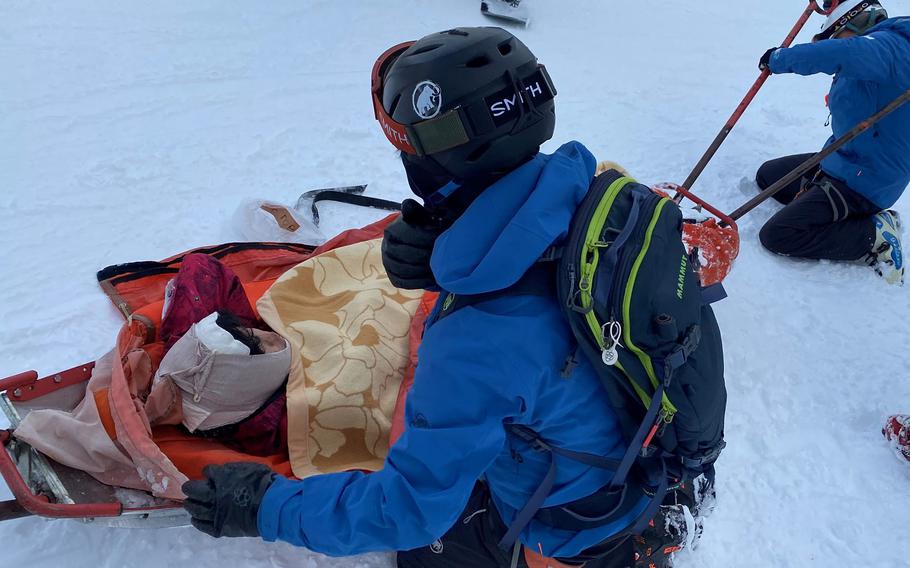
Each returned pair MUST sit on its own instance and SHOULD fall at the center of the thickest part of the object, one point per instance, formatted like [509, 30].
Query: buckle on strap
[680, 354]
[552, 253]
[709, 457]
[530, 436]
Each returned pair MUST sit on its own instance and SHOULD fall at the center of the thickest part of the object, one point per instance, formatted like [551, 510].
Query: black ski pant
[822, 217]
[472, 542]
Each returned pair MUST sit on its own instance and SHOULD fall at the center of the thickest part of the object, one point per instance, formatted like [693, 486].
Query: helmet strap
[873, 17]
[526, 106]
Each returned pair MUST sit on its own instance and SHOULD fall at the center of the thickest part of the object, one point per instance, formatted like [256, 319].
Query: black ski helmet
[467, 102]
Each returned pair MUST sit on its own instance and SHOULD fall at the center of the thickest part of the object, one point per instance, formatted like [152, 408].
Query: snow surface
[132, 130]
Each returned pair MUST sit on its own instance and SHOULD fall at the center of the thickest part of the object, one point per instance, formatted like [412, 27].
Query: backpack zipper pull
[612, 332]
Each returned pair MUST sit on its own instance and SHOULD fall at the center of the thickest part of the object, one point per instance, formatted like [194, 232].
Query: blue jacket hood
[899, 25]
[509, 226]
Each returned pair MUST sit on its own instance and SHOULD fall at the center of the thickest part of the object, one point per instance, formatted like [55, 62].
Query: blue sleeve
[455, 413]
[871, 57]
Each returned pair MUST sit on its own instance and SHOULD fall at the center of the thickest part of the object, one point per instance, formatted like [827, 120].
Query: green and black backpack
[632, 298]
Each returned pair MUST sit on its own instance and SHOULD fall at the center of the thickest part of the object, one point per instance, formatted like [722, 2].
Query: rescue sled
[45, 488]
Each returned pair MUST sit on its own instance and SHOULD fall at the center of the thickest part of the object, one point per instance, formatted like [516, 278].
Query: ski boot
[665, 535]
[897, 430]
[507, 10]
[886, 256]
[678, 524]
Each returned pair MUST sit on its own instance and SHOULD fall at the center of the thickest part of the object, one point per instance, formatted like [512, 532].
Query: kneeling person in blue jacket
[839, 211]
[470, 105]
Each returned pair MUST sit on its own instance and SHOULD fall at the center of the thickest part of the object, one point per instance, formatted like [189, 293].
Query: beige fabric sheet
[348, 328]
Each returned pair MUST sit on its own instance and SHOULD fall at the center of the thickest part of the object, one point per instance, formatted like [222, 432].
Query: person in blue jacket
[468, 109]
[839, 211]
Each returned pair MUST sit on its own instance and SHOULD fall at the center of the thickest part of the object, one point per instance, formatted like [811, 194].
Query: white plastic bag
[266, 221]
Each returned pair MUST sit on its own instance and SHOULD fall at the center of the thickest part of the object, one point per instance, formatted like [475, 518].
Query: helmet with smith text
[463, 104]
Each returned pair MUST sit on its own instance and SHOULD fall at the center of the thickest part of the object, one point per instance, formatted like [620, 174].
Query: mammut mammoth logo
[427, 99]
[242, 497]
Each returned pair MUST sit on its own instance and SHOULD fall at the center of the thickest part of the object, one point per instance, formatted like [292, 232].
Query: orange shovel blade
[716, 248]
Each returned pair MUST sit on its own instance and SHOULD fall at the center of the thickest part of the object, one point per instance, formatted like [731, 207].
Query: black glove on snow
[226, 502]
[408, 245]
[765, 61]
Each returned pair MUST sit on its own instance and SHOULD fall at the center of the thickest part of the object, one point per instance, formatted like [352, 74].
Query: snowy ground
[130, 132]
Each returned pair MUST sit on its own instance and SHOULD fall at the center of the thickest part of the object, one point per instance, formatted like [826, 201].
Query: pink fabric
[80, 438]
[134, 433]
[202, 286]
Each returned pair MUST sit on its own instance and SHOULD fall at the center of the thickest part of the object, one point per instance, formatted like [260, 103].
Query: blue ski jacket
[485, 365]
[869, 72]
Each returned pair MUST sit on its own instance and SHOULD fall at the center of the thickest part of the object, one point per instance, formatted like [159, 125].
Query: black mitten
[765, 62]
[226, 502]
[408, 246]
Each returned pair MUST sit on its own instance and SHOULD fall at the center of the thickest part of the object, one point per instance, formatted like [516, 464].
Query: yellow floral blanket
[348, 327]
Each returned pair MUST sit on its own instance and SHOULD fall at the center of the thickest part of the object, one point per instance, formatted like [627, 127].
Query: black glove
[408, 245]
[765, 61]
[226, 502]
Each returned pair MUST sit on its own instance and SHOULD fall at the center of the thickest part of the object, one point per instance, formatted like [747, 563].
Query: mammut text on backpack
[681, 281]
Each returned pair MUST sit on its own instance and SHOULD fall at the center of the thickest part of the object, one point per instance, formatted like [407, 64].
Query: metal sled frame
[45, 488]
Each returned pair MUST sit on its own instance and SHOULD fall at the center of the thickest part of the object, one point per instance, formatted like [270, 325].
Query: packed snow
[133, 130]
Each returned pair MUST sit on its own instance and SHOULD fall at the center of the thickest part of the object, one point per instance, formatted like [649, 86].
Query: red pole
[722, 135]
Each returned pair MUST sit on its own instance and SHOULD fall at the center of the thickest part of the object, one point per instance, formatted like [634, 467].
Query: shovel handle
[725, 219]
